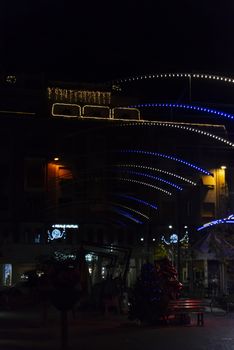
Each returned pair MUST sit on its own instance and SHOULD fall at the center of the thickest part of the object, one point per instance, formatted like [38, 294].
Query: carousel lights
[156, 170]
[137, 200]
[185, 106]
[146, 184]
[133, 210]
[166, 156]
[154, 178]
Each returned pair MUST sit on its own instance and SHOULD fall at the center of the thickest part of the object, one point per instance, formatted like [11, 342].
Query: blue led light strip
[146, 184]
[137, 166]
[130, 209]
[153, 206]
[127, 215]
[228, 220]
[166, 156]
[185, 106]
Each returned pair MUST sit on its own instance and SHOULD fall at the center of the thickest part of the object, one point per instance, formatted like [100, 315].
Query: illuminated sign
[58, 231]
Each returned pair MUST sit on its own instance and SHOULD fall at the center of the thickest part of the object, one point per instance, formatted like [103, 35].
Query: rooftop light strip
[136, 166]
[127, 215]
[130, 209]
[228, 220]
[152, 76]
[153, 206]
[146, 184]
[154, 178]
[181, 126]
[169, 157]
[185, 106]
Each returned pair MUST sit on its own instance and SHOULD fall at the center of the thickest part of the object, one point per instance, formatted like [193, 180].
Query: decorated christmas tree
[154, 288]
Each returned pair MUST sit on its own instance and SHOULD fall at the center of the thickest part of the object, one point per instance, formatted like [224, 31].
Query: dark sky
[101, 40]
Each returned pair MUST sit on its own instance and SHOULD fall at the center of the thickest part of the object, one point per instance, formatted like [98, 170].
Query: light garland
[146, 184]
[166, 156]
[174, 75]
[153, 206]
[228, 220]
[156, 170]
[185, 106]
[127, 215]
[128, 208]
[154, 178]
[181, 126]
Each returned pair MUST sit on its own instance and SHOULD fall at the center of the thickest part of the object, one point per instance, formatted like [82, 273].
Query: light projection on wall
[169, 157]
[228, 220]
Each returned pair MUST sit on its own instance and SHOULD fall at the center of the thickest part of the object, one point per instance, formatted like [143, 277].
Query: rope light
[156, 170]
[181, 126]
[166, 156]
[146, 184]
[153, 206]
[185, 106]
[154, 178]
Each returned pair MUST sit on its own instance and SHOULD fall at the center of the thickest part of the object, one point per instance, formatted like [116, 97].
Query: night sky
[102, 40]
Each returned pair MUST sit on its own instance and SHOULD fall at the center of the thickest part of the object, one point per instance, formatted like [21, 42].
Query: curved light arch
[153, 206]
[152, 76]
[145, 184]
[127, 215]
[154, 178]
[182, 126]
[137, 166]
[130, 209]
[228, 220]
[186, 107]
[162, 155]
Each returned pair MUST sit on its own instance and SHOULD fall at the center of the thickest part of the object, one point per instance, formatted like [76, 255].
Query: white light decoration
[167, 156]
[56, 234]
[175, 75]
[128, 208]
[137, 166]
[65, 226]
[74, 107]
[182, 126]
[146, 184]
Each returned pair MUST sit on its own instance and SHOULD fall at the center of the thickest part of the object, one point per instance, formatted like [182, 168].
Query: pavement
[25, 329]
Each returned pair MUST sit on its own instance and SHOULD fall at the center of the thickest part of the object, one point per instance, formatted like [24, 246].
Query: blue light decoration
[166, 156]
[145, 184]
[185, 106]
[127, 215]
[131, 209]
[153, 206]
[228, 220]
[153, 178]
[174, 239]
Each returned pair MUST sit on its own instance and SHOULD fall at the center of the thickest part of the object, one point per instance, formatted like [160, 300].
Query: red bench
[183, 308]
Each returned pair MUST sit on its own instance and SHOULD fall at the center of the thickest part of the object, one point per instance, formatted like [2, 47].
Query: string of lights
[166, 156]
